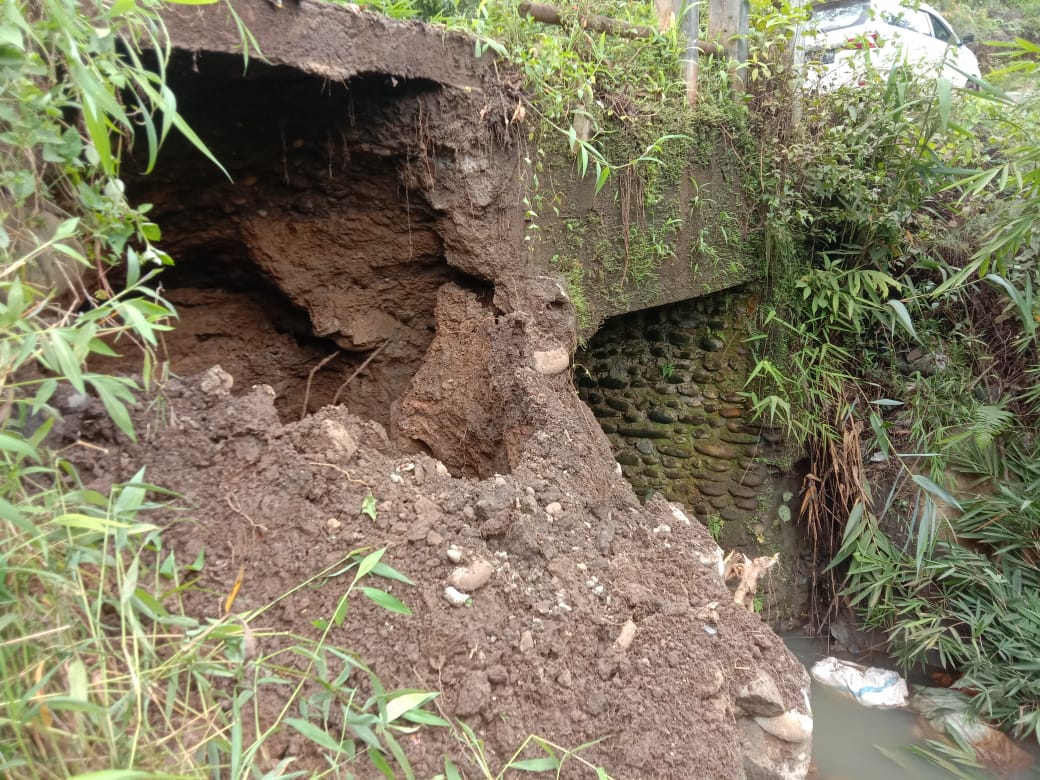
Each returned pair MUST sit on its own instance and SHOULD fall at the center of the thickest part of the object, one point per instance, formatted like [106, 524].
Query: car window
[897, 19]
[835, 16]
[918, 21]
[942, 30]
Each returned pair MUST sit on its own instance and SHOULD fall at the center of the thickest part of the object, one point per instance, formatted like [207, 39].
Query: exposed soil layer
[317, 268]
[369, 251]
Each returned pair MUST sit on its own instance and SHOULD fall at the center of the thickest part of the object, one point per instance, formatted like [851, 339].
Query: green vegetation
[715, 526]
[902, 326]
[898, 217]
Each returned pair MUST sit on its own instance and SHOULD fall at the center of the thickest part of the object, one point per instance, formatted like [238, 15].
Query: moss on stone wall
[666, 386]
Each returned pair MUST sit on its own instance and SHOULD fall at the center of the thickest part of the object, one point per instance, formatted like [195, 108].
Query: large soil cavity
[316, 265]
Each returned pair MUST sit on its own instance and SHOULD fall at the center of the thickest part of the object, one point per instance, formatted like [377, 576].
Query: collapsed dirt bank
[382, 332]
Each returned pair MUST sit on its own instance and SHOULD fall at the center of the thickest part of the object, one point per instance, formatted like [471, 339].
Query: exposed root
[362, 367]
[310, 378]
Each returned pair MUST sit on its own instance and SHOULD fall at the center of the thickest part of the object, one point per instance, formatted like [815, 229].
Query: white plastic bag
[870, 686]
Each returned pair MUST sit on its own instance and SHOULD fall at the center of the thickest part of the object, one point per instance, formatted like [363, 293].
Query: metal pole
[691, 27]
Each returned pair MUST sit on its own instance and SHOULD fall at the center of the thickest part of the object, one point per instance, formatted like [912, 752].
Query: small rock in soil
[418, 531]
[627, 635]
[761, 696]
[427, 510]
[526, 642]
[791, 726]
[713, 686]
[551, 361]
[216, 381]
[343, 444]
[455, 597]
[473, 577]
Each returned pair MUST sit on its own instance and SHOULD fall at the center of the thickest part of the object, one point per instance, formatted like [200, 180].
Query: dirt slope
[368, 251]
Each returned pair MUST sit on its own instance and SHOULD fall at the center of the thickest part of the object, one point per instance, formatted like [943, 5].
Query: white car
[846, 40]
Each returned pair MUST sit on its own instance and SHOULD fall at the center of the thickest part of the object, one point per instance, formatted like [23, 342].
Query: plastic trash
[949, 711]
[870, 686]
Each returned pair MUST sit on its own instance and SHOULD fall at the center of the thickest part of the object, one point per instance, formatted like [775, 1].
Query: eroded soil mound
[382, 331]
[574, 558]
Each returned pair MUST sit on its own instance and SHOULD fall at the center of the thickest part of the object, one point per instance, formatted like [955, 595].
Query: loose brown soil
[369, 251]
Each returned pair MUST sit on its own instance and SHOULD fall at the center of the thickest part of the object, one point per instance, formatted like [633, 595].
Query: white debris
[627, 635]
[455, 597]
[868, 685]
[714, 560]
[679, 514]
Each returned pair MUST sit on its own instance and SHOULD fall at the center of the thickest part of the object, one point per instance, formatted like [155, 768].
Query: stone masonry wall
[665, 385]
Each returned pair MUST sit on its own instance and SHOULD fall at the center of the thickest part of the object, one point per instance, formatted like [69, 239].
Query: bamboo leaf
[114, 395]
[386, 601]
[903, 317]
[544, 764]
[368, 563]
[936, 491]
[944, 93]
[317, 735]
[368, 506]
[10, 442]
[388, 572]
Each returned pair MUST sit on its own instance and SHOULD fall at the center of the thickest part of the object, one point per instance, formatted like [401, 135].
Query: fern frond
[987, 422]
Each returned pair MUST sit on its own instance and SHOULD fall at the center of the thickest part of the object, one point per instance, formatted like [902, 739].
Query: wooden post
[691, 27]
[666, 14]
[728, 24]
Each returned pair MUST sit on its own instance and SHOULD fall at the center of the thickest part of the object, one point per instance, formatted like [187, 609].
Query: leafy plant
[715, 526]
[551, 759]
[102, 663]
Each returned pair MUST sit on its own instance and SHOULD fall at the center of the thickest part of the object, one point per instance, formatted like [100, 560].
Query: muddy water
[850, 741]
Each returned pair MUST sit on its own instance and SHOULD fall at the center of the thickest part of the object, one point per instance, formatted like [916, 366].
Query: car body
[846, 40]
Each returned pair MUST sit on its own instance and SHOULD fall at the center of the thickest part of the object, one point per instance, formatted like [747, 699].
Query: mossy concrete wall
[656, 233]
